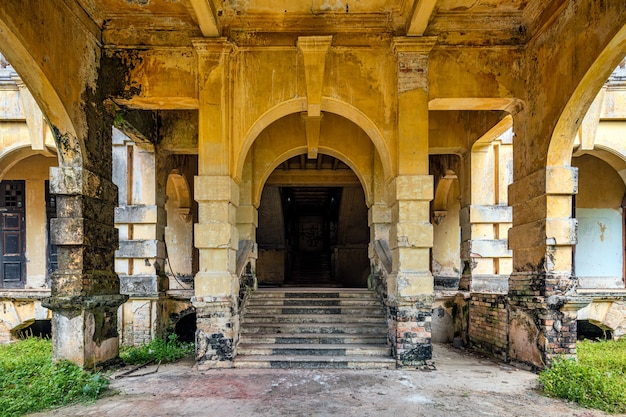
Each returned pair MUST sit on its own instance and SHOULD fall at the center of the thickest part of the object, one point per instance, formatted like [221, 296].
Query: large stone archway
[387, 149]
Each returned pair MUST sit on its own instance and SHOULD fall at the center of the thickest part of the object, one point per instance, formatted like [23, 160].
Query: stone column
[216, 283]
[542, 305]
[410, 287]
[85, 292]
[216, 235]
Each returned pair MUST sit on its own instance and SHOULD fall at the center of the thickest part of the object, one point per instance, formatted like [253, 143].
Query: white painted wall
[599, 253]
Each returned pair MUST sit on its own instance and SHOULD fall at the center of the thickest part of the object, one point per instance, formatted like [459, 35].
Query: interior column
[542, 307]
[410, 289]
[215, 235]
[85, 291]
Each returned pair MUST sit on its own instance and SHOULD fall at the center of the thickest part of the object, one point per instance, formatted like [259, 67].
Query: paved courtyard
[463, 384]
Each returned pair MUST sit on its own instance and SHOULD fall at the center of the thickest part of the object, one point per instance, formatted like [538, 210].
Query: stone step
[315, 349]
[314, 362]
[314, 338]
[313, 309]
[311, 318]
[312, 292]
[310, 302]
[314, 328]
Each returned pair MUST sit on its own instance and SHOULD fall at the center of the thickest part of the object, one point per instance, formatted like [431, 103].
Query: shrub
[597, 379]
[164, 350]
[30, 381]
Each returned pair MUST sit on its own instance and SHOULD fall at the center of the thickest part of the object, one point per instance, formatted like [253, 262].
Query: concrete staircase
[313, 328]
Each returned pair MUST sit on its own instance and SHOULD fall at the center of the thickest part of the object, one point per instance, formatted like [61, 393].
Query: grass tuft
[597, 379]
[30, 381]
[164, 350]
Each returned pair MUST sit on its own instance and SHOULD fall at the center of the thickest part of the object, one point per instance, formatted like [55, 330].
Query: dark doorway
[313, 228]
[185, 328]
[310, 216]
[12, 234]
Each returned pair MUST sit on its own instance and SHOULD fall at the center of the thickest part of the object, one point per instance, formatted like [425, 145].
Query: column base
[410, 330]
[217, 333]
[84, 329]
[542, 328]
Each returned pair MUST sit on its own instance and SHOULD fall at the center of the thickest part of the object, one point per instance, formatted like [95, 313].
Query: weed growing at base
[30, 381]
[164, 350]
[597, 379]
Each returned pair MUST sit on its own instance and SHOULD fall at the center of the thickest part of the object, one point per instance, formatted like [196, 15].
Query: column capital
[314, 44]
[422, 45]
[218, 46]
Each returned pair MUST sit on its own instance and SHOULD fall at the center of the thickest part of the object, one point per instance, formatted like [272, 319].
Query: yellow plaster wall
[482, 73]
[447, 238]
[178, 236]
[269, 85]
[34, 170]
[599, 186]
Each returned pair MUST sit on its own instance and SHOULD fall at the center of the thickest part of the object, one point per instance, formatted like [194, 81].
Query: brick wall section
[556, 327]
[410, 331]
[412, 71]
[488, 324]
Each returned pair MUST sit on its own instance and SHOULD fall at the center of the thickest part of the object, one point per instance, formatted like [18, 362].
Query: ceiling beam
[206, 17]
[418, 21]
[313, 178]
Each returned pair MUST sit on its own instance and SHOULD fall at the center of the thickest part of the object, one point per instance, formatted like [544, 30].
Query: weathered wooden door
[12, 234]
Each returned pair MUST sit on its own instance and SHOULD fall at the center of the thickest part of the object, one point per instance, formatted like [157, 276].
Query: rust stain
[602, 230]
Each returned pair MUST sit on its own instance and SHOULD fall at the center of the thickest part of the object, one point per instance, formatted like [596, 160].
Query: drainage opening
[38, 328]
[588, 330]
[186, 328]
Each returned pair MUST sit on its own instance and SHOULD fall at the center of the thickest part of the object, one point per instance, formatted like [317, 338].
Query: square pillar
[85, 291]
[216, 283]
[410, 286]
[215, 235]
[541, 301]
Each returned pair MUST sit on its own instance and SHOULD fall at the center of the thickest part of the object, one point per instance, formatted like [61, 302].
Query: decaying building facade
[429, 149]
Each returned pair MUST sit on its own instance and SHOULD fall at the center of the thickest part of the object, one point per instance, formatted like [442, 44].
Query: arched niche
[179, 231]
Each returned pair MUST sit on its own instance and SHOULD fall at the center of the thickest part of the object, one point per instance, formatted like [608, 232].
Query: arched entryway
[313, 228]
[312, 206]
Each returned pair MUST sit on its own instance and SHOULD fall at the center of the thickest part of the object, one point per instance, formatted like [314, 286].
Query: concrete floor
[463, 384]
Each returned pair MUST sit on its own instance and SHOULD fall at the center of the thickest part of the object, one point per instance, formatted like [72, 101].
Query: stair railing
[246, 253]
[381, 268]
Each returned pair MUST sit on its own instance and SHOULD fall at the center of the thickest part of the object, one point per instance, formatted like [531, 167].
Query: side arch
[13, 156]
[69, 148]
[614, 158]
[564, 134]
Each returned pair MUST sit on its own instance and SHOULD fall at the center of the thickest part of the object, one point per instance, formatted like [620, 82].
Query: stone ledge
[24, 294]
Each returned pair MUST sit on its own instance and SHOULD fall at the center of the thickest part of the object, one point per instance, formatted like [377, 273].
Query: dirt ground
[463, 384]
